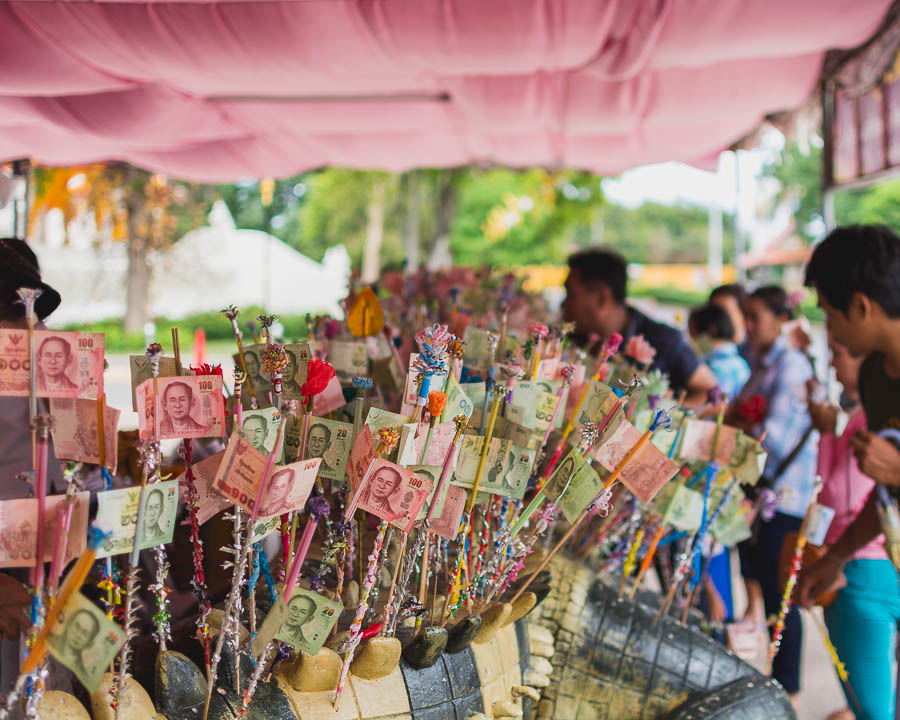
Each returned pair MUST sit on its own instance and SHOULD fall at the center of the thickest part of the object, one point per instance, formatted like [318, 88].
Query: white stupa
[220, 265]
[207, 269]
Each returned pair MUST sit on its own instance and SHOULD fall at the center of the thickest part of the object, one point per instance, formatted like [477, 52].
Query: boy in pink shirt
[862, 620]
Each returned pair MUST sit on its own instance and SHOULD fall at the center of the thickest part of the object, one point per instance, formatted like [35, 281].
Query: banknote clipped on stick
[646, 472]
[506, 470]
[573, 485]
[75, 435]
[191, 406]
[241, 471]
[349, 359]
[392, 493]
[85, 640]
[260, 427]
[67, 364]
[142, 370]
[330, 441]
[117, 514]
[449, 506]
[209, 502]
[18, 529]
[304, 622]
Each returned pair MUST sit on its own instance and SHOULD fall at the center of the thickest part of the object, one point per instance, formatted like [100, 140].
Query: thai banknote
[349, 358]
[329, 440]
[506, 470]
[257, 381]
[645, 472]
[447, 523]
[458, 401]
[533, 404]
[700, 436]
[289, 487]
[19, 523]
[362, 454]
[378, 419]
[330, 399]
[260, 427]
[392, 493]
[117, 514]
[475, 391]
[67, 364]
[413, 445]
[209, 502]
[141, 370]
[506, 429]
[189, 407]
[685, 510]
[294, 374]
[304, 622]
[574, 485]
[241, 472]
[85, 640]
[449, 506]
[598, 401]
[265, 527]
[748, 460]
[75, 435]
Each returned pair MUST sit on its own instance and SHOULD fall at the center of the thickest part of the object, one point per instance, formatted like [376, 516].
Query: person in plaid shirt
[775, 400]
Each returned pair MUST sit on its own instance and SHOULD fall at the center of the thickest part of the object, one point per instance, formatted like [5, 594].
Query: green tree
[799, 172]
[507, 217]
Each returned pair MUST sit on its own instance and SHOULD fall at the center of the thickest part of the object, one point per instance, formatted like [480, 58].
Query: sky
[671, 183]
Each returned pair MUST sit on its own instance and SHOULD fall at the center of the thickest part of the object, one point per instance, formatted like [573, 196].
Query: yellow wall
[682, 277]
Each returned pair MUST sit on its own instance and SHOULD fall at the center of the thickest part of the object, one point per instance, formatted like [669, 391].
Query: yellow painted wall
[681, 277]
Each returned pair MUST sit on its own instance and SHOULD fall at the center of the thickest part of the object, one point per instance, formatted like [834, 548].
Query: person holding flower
[862, 619]
[774, 401]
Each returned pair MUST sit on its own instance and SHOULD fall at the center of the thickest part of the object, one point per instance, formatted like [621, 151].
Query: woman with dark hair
[774, 401]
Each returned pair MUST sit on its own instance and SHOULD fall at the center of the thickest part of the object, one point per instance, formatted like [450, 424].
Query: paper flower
[437, 401]
[539, 331]
[360, 382]
[317, 507]
[433, 340]
[795, 299]
[318, 375]
[388, 437]
[753, 409]
[611, 346]
[273, 359]
[639, 350]
[207, 369]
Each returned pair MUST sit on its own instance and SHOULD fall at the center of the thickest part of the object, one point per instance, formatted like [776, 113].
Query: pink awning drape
[219, 90]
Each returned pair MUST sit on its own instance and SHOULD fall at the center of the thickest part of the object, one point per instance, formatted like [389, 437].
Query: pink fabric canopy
[216, 91]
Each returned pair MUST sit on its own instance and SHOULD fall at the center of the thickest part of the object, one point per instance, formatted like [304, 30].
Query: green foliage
[281, 217]
[656, 233]
[799, 171]
[216, 326]
[507, 217]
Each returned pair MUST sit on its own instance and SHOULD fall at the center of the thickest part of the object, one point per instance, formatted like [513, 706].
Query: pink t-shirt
[845, 488]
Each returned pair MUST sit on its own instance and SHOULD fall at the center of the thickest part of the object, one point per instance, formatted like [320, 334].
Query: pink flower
[640, 350]
[612, 344]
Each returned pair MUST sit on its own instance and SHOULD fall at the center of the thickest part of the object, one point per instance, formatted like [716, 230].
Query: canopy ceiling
[216, 91]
